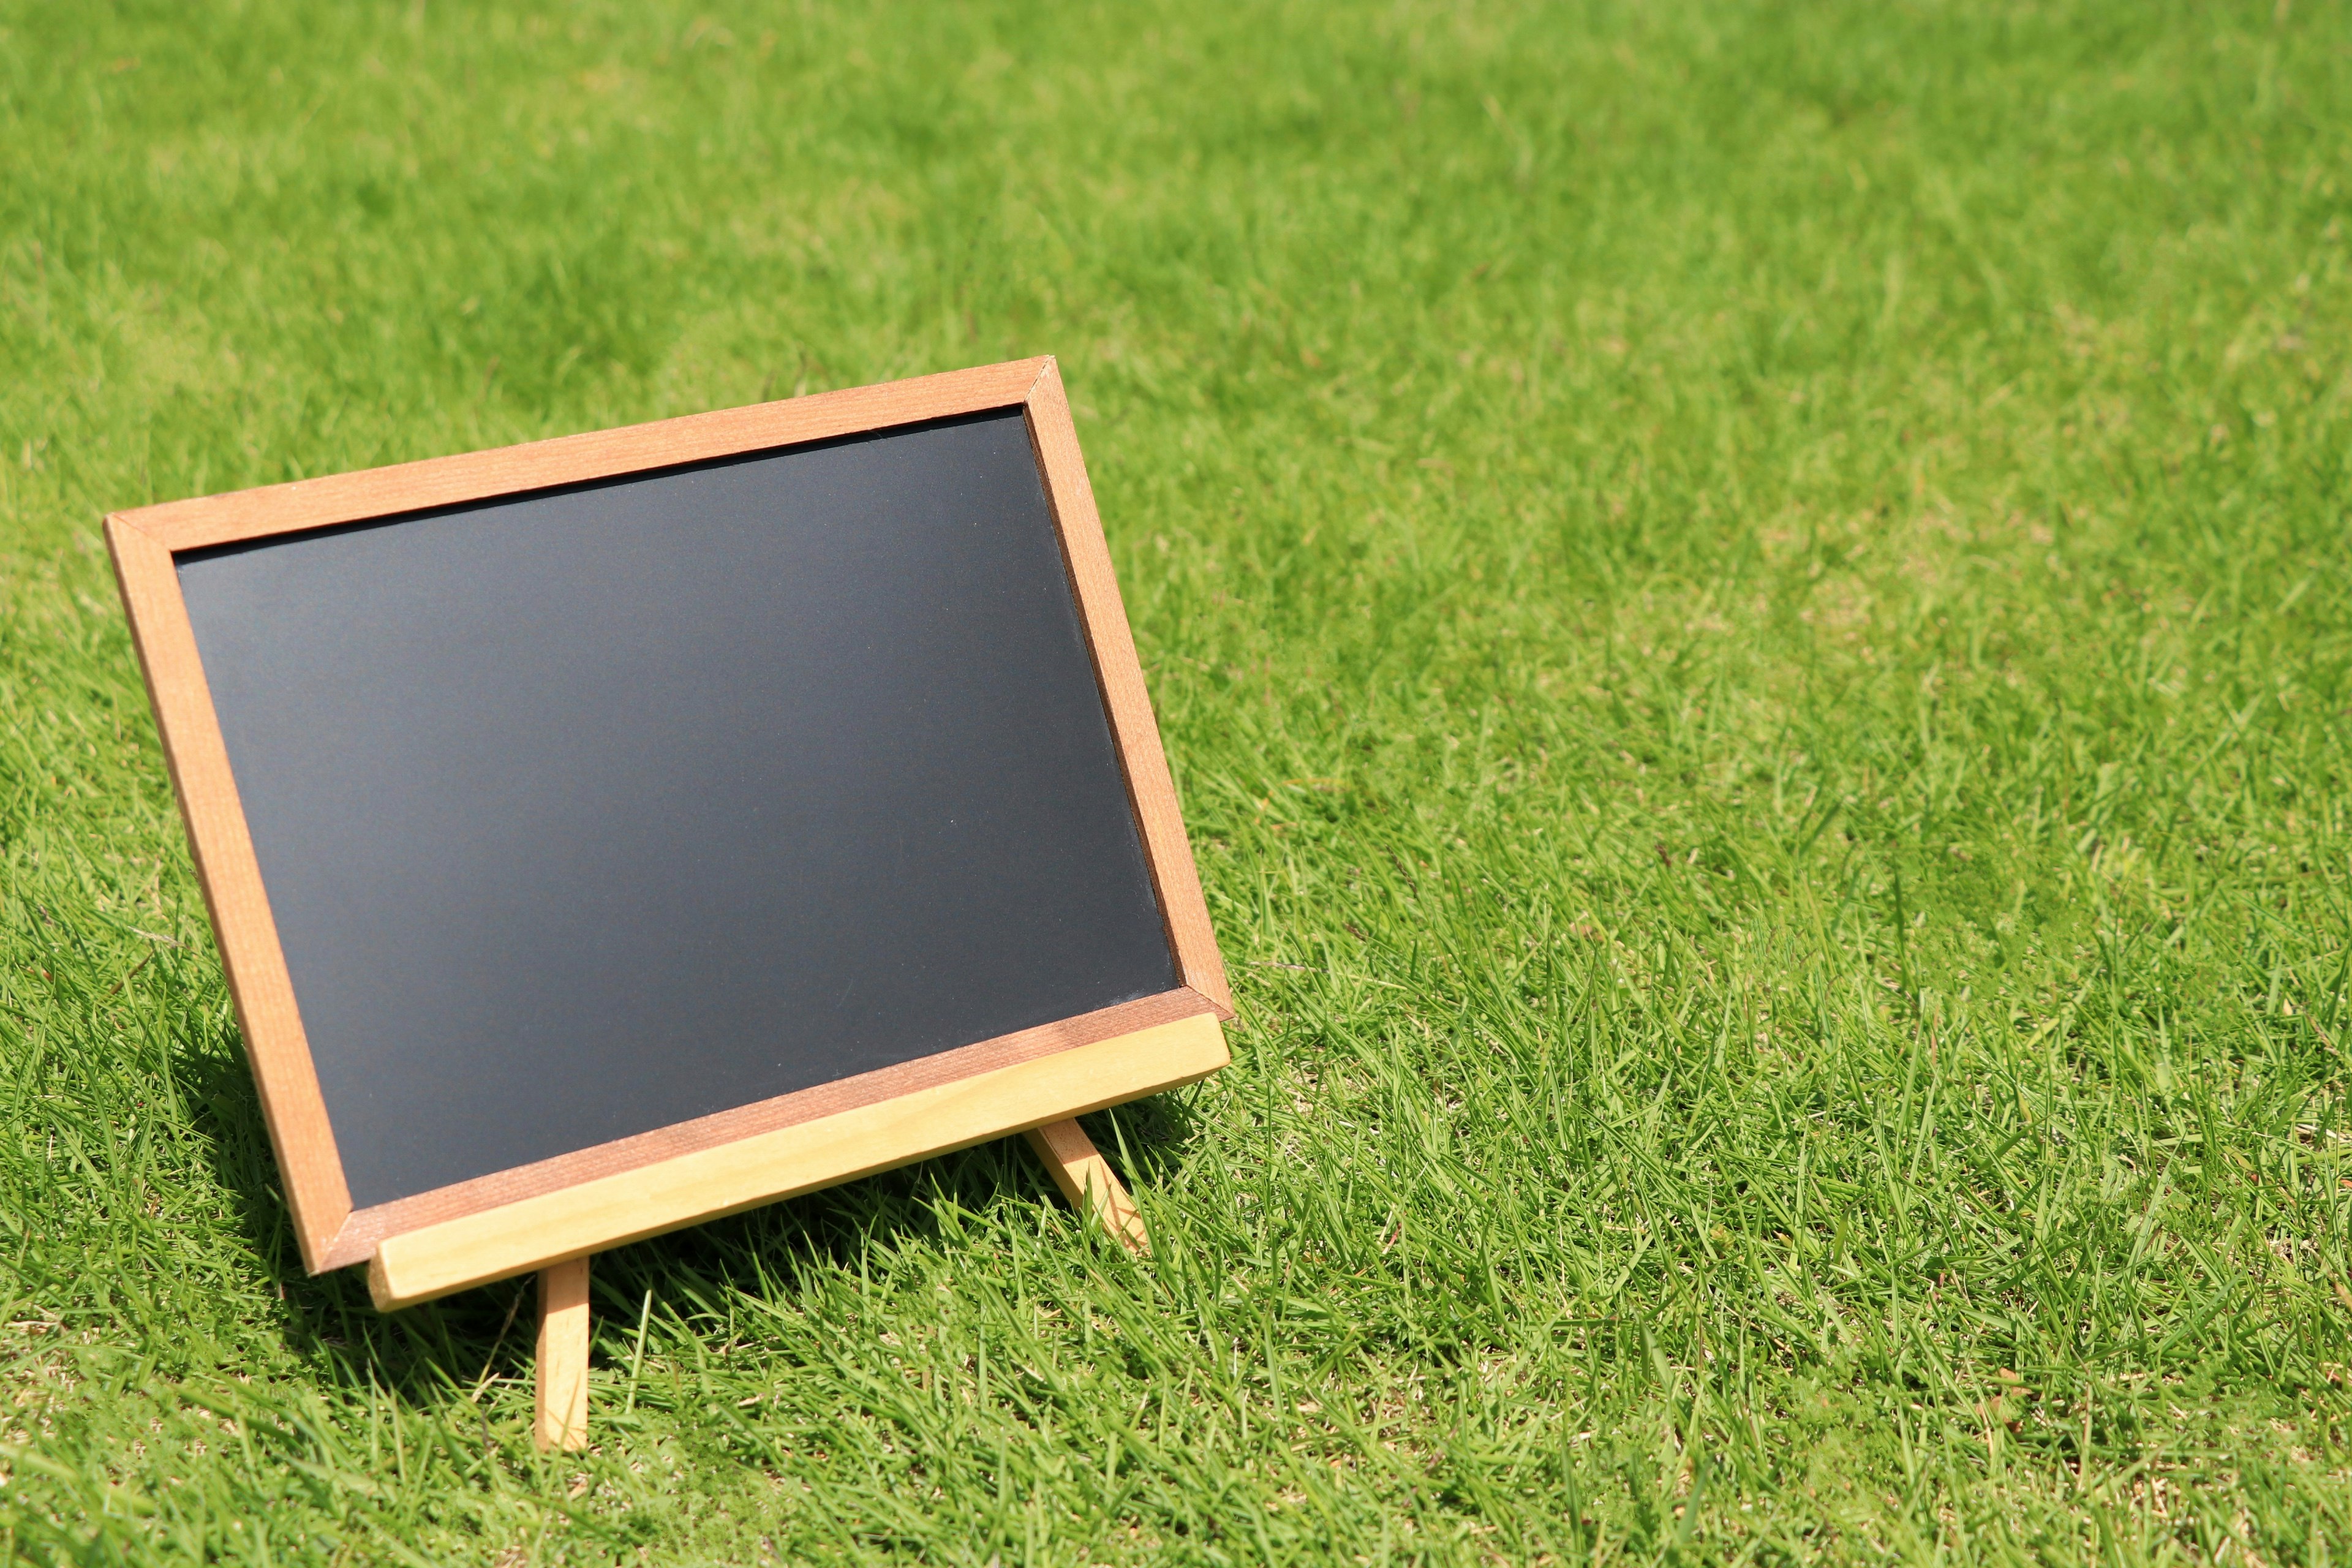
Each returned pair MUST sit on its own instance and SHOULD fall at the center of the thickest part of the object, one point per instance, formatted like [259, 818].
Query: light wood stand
[564, 1356]
[1087, 1179]
[1077, 1168]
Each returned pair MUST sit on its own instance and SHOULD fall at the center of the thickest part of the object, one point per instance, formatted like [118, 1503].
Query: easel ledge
[555, 1227]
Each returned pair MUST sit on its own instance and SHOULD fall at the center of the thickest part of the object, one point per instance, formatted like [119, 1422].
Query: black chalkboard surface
[614, 831]
[759, 773]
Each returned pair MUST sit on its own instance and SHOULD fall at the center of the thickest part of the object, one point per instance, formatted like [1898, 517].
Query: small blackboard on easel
[611, 833]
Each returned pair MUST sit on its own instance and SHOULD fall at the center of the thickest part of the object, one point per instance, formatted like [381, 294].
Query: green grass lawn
[1752, 608]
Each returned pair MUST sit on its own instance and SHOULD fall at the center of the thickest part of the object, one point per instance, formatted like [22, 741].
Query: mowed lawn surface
[1751, 612]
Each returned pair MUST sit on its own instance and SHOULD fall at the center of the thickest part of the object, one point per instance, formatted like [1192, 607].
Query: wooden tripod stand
[1077, 1168]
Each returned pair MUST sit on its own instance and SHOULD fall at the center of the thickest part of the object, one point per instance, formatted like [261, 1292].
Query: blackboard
[756, 774]
[575, 808]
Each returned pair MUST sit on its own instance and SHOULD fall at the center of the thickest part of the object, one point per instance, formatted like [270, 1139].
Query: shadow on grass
[447, 1349]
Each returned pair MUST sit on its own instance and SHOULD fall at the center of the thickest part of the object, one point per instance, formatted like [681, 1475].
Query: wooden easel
[1077, 1168]
[515, 1212]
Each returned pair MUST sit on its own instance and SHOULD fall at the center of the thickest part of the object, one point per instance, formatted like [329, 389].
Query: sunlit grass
[1751, 611]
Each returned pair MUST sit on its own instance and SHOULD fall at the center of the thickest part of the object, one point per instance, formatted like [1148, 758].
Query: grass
[1750, 607]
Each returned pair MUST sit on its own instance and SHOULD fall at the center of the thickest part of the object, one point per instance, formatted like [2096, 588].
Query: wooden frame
[530, 1217]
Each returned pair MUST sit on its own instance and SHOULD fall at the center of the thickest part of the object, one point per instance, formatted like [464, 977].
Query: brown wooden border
[143, 543]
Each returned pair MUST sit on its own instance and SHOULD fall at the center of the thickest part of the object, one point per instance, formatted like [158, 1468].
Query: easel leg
[1086, 1180]
[564, 1356]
